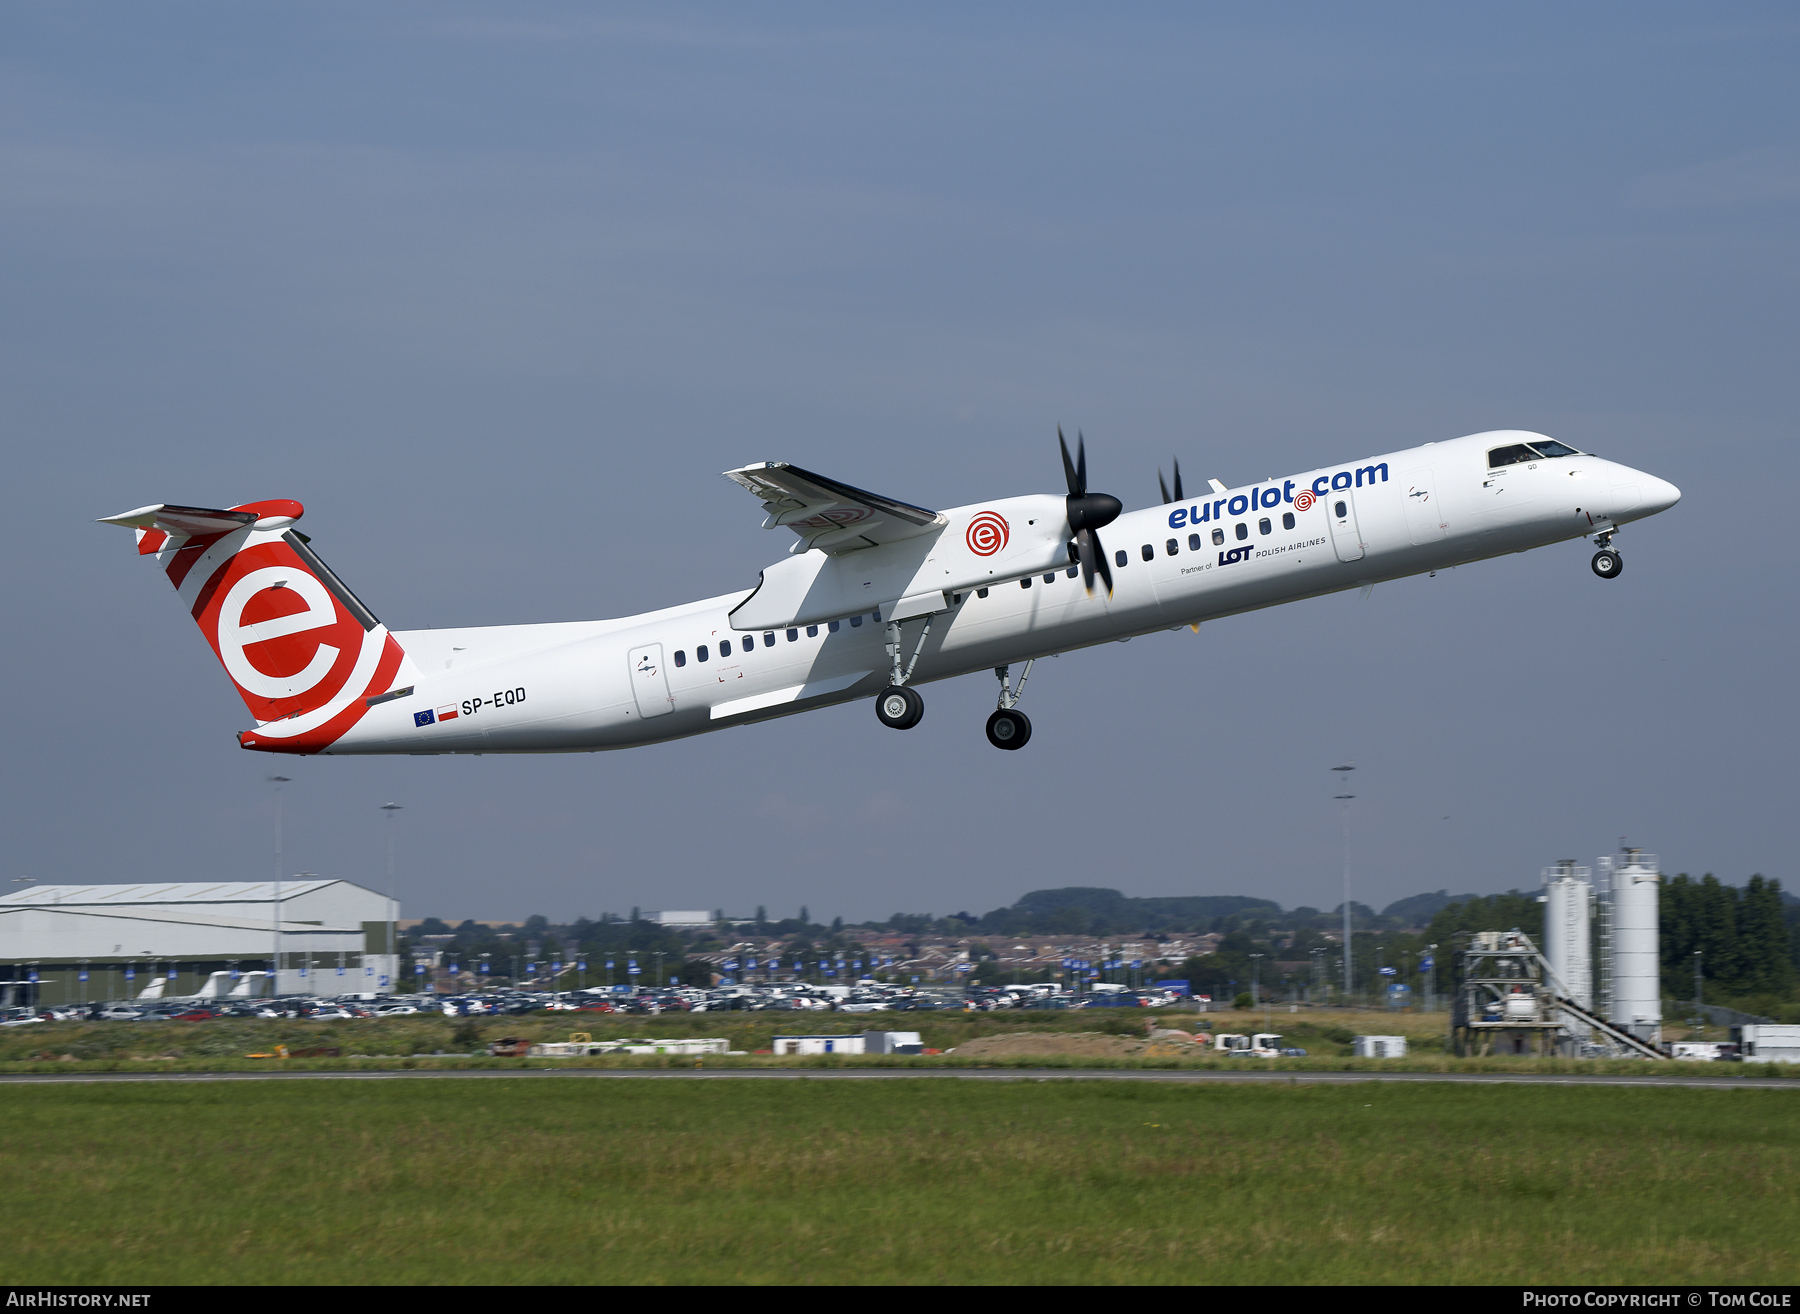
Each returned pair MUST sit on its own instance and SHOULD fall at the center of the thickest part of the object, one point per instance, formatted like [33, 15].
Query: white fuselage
[585, 686]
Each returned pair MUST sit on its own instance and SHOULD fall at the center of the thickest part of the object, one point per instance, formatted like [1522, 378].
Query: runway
[928, 1074]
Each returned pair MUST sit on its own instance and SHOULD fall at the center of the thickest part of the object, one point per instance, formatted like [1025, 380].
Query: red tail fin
[302, 649]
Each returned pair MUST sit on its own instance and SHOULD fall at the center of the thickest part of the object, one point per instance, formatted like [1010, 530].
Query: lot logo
[987, 534]
[1234, 556]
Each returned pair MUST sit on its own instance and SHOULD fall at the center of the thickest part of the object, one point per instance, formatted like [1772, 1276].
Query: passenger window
[1148, 552]
[749, 642]
[832, 626]
[1193, 542]
[793, 636]
[680, 657]
[1173, 547]
[1243, 531]
[981, 593]
[1263, 525]
[1340, 510]
[1072, 571]
[769, 638]
[1119, 557]
[1218, 538]
[1517, 454]
[724, 647]
[700, 653]
[1025, 583]
[1287, 519]
[856, 620]
[812, 631]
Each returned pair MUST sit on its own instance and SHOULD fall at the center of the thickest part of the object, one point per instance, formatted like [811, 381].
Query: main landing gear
[1007, 728]
[898, 707]
[1607, 562]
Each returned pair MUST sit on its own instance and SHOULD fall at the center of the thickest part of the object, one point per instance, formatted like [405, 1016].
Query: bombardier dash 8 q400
[876, 597]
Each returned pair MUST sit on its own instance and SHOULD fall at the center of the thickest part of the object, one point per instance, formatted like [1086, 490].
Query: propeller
[1088, 514]
[1165, 488]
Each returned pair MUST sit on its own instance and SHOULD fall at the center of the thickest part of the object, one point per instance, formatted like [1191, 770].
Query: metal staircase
[1617, 1035]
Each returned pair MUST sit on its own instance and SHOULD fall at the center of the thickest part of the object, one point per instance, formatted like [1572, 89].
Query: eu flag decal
[424, 718]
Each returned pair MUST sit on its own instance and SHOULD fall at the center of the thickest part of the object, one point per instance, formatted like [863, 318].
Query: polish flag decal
[447, 713]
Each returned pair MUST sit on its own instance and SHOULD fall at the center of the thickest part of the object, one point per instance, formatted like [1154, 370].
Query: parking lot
[866, 997]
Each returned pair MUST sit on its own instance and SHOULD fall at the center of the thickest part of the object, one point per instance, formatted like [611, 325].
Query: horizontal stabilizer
[189, 520]
[157, 524]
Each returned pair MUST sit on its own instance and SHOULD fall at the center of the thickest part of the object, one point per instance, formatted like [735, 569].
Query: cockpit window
[1519, 453]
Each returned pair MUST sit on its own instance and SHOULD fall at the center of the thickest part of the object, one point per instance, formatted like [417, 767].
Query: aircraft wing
[830, 516]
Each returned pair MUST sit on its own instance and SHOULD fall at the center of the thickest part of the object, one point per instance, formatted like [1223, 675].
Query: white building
[333, 937]
[681, 917]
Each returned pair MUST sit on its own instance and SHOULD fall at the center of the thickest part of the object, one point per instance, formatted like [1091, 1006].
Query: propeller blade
[1081, 461]
[1164, 488]
[1093, 560]
[1077, 484]
[1178, 496]
[1101, 561]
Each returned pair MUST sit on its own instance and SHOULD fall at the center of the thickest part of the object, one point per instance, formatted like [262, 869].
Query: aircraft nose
[1660, 494]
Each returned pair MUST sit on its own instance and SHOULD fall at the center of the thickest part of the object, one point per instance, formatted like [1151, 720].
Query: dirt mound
[1081, 1044]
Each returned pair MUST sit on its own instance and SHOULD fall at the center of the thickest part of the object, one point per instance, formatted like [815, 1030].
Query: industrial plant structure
[1515, 998]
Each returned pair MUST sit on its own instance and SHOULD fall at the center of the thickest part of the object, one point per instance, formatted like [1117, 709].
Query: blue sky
[497, 291]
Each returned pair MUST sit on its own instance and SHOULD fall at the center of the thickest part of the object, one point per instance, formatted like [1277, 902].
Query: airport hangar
[334, 938]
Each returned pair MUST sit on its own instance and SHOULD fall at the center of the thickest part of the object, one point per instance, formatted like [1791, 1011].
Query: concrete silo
[1636, 976]
[1568, 921]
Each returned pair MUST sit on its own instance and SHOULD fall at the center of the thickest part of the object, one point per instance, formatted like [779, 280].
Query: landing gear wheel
[1008, 729]
[1608, 563]
[899, 708]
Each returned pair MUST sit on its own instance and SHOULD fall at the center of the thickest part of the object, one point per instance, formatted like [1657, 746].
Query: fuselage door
[649, 681]
[1340, 511]
[1424, 514]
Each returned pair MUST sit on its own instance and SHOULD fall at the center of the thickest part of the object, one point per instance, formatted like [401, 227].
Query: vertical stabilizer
[303, 651]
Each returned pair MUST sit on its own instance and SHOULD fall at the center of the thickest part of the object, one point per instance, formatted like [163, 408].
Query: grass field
[436, 1041]
[540, 1180]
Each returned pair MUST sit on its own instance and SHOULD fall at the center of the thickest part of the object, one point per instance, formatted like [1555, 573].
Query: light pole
[393, 903]
[1345, 800]
[1699, 988]
[1431, 979]
[1255, 993]
[275, 903]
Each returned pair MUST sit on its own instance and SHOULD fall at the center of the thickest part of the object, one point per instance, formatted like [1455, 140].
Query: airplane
[876, 597]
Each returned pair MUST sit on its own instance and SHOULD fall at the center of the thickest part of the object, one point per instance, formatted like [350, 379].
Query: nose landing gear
[1607, 562]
